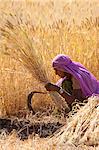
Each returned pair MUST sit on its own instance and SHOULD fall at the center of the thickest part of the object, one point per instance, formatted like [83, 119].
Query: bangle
[61, 90]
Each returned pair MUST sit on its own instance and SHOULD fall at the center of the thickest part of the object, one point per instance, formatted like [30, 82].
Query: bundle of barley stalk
[19, 44]
[84, 126]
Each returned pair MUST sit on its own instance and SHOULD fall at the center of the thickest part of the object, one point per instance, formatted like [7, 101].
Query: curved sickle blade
[29, 100]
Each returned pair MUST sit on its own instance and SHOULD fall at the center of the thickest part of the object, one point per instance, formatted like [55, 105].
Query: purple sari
[88, 83]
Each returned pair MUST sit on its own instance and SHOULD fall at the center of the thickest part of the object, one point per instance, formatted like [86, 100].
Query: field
[32, 33]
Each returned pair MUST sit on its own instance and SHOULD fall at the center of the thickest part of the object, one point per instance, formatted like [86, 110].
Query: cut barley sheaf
[21, 46]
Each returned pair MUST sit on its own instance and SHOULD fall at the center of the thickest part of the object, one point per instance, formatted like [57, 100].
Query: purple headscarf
[88, 83]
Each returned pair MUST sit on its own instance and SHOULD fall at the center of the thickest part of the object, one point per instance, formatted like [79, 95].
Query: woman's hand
[51, 87]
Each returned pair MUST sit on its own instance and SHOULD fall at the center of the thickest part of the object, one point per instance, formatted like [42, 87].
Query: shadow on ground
[24, 128]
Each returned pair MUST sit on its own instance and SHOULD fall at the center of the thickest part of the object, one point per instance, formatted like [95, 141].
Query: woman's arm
[76, 94]
[68, 97]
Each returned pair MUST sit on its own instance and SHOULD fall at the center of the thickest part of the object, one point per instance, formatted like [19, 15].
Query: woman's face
[62, 74]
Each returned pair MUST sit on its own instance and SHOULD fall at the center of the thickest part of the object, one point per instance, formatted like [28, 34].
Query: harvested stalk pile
[84, 126]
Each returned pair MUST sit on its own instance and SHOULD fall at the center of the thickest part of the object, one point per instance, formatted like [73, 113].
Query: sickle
[29, 100]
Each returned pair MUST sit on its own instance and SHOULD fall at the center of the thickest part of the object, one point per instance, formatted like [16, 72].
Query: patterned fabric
[67, 85]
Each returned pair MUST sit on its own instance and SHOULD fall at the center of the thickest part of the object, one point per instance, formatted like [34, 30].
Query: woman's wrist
[61, 91]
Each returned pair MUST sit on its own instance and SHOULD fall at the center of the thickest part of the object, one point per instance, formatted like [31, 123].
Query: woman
[76, 81]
